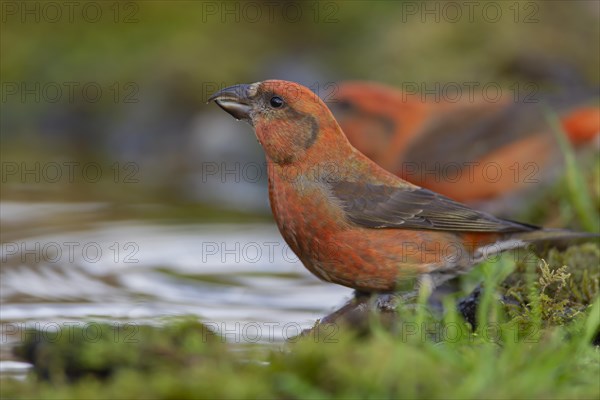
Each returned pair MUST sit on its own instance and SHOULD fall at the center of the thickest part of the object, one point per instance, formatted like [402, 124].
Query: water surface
[64, 266]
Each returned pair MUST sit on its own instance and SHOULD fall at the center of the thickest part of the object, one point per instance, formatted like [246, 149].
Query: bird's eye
[276, 102]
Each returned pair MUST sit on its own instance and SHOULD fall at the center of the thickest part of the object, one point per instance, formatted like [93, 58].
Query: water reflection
[227, 274]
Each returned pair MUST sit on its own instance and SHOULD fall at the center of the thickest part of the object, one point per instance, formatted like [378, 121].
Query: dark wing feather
[379, 206]
[476, 131]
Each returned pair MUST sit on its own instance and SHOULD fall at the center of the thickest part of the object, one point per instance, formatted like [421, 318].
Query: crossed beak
[235, 100]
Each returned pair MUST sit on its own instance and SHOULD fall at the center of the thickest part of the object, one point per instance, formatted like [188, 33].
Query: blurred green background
[124, 84]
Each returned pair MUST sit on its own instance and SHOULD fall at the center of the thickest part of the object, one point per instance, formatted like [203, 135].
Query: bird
[472, 150]
[350, 221]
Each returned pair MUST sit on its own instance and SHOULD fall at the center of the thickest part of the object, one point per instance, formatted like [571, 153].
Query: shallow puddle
[241, 280]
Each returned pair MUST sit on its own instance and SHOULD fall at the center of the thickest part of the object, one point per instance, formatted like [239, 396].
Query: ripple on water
[225, 274]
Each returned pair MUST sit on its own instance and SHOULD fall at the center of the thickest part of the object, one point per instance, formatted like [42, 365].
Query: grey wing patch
[466, 136]
[379, 206]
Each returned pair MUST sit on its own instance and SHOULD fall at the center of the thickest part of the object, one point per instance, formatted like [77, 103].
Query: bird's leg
[353, 307]
[360, 309]
[425, 285]
[388, 302]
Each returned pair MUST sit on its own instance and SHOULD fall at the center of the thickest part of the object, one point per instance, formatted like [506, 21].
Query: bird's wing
[380, 206]
[476, 131]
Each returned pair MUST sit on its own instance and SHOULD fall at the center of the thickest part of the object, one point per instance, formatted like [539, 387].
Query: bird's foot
[389, 302]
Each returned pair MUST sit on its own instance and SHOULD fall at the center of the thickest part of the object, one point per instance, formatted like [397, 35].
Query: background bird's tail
[565, 89]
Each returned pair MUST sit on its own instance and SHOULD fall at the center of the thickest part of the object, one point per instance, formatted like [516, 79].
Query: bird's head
[289, 119]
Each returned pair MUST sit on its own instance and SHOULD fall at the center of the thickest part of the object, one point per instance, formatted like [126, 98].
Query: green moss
[564, 283]
[384, 365]
[536, 346]
[101, 350]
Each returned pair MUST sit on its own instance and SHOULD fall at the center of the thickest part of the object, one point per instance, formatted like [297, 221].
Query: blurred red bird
[471, 151]
[350, 221]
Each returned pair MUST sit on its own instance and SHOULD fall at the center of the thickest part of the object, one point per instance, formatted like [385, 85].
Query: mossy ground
[534, 339]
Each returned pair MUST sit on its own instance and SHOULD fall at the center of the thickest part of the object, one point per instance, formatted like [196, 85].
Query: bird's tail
[582, 124]
[540, 239]
[554, 235]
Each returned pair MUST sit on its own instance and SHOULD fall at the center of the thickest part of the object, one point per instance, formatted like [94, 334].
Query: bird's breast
[306, 217]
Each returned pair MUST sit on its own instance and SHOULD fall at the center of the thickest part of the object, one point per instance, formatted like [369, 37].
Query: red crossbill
[471, 150]
[347, 219]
